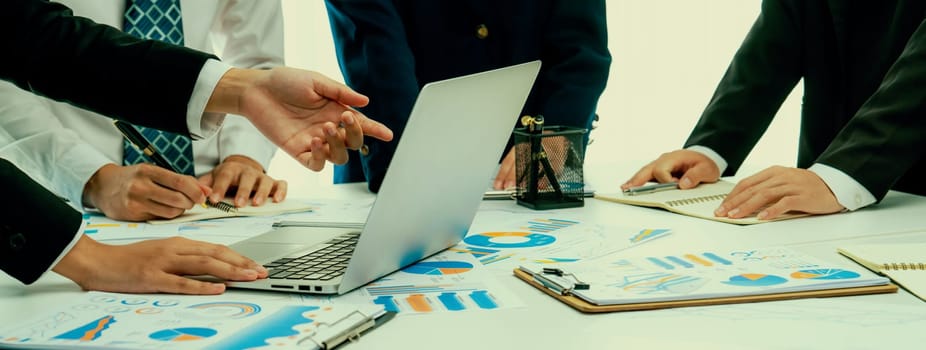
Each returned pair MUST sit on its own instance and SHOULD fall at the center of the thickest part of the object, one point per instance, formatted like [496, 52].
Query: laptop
[454, 138]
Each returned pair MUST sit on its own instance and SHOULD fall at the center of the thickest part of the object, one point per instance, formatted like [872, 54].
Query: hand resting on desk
[155, 266]
[771, 192]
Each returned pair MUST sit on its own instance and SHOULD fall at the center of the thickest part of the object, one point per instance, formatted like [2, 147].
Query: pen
[651, 188]
[139, 141]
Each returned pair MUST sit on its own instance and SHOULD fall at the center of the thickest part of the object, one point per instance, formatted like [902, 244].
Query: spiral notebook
[699, 202]
[903, 263]
[268, 208]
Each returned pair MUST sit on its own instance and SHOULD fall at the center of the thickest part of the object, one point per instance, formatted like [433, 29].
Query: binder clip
[578, 285]
[548, 165]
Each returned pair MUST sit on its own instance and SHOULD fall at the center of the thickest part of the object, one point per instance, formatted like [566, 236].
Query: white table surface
[859, 322]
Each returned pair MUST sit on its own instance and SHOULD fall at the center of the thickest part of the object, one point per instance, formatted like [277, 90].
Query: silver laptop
[454, 138]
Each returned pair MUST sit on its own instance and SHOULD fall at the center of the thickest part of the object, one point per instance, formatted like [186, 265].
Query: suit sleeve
[377, 61]
[97, 67]
[35, 230]
[885, 137]
[763, 71]
[575, 68]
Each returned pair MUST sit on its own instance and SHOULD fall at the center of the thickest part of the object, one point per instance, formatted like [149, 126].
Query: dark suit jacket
[864, 69]
[92, 66]
[389, 49]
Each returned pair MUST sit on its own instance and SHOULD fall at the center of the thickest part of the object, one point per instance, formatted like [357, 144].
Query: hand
[506, 173]
[142, 192]
[155, 266]
[248, 176]
[779, 190]
[692, 167]
[305, 113]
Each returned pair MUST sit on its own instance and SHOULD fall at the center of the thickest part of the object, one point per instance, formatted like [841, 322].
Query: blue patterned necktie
[158, 20]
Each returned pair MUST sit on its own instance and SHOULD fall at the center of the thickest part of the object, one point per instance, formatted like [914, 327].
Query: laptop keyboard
[327, 262]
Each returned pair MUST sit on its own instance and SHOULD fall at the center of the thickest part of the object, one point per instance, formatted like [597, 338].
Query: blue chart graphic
[228, 309]
[425, 299]
[755, 280]
[661, 263]
[388, 302]
[476, 252]
[680, 262]
[647, 234]
[439, 268]
[689, 261]
[549, 225]
[451, 302]
[659, 282]
[183, 334]
[166, 303]
[509, 239]
[280, 324]
[717, 258]
[89, 331]
[89, 231]
[483, 299]
[825, 274]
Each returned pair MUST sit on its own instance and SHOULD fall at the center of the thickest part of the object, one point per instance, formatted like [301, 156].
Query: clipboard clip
[347, 328]
[564, 284]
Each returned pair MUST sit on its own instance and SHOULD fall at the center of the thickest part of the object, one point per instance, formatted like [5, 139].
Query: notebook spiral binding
[904, 266]
[223, 206]
[695, 200]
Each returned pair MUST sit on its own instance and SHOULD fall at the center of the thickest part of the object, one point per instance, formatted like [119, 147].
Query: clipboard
[565, 296]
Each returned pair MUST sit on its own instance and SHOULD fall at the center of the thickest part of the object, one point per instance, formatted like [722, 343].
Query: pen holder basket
[548, 167]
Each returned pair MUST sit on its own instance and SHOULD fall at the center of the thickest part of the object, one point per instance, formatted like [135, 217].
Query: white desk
[835, 323]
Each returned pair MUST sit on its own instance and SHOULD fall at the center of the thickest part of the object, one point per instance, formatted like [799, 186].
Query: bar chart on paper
[426, 299]
[446, 282]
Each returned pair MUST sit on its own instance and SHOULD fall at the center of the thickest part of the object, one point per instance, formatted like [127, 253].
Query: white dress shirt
[849, 193]
[247, 34]
[62, 146]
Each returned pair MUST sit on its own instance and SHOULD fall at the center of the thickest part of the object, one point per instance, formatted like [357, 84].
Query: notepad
[903, 263]
[268, 208]
[698, 202]
[699, 277]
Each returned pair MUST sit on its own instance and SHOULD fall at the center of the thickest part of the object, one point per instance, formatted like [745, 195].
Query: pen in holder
[548, 165]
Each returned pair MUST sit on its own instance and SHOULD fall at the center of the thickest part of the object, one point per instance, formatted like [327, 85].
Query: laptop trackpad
[282, 242]
[267, 252]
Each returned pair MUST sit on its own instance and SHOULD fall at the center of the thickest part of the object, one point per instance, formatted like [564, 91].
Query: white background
[668, 56]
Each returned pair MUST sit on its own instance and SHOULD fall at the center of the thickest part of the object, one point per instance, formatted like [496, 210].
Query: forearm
[884, 139]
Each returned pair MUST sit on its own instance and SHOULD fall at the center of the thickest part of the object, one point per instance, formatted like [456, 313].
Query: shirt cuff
[201, 124]
[707, 152]
[849, 193]
[82, 162]
[80, 230]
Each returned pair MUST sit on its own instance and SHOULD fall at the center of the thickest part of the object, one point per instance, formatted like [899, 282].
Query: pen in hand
[139, 141]
[651, 188]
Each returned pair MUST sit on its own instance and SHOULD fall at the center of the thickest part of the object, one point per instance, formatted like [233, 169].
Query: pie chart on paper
[755, 280]
[825, 274]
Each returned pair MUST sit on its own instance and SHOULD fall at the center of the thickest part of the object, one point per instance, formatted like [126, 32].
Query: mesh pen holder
[548, 166]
